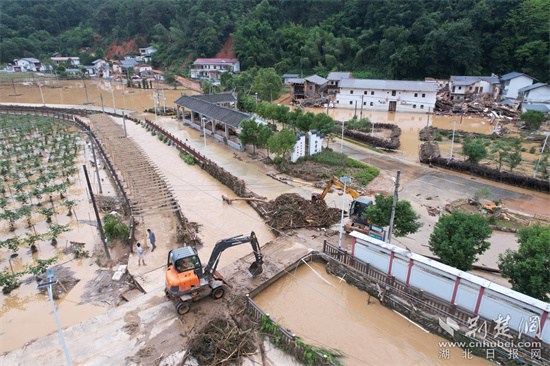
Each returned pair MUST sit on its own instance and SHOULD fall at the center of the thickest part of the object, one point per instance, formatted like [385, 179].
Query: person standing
[152, 239]
[141, 256]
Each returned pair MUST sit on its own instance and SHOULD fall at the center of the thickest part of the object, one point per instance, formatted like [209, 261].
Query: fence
[287, 340]
[416, 298]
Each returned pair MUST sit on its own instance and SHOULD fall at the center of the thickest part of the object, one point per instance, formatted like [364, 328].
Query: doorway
[393, 106]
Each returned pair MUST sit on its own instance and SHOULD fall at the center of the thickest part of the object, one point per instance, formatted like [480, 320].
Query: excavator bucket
[255, 269]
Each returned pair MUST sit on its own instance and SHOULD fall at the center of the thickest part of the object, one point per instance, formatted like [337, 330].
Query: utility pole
[102, 109]
[394, 204]
[95, 161]
[40, 87]
[85, 88]
[361, 115]
[99, 224]
[428, 123]
[51, 281]
[124, 124]
[163, 102]
[453, 140]
[113, 94]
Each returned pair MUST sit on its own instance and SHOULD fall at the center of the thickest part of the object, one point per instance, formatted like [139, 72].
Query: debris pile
[290, 211]
[481, 106]
[222, 342]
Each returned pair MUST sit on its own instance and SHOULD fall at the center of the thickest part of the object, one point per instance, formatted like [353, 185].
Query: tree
[458, 238]
[405, 220]
[249, 132]
[268, 84]
[533, 119]
[528, 268]
[282, 143]
[475, 150]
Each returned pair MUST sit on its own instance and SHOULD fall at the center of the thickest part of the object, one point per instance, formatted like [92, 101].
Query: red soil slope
[226, 51]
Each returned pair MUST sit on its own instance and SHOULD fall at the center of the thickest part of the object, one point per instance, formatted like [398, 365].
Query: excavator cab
[357, 210]
[184, 270]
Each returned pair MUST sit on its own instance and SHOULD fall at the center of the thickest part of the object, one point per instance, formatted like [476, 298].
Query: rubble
[290, 211]
[479, 106]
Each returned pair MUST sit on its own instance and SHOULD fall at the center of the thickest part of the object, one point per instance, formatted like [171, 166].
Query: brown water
[339, 316]
[74, 93]
[410, 124]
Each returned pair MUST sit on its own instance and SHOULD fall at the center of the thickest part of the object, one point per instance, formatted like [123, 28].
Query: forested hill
[407, 39]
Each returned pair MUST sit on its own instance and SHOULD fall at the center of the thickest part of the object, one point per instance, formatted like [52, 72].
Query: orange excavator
[358, 220]
[188, 282]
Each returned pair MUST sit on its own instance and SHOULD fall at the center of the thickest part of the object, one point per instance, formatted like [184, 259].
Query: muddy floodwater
[328, 313]
[92, 92]
[117, 94]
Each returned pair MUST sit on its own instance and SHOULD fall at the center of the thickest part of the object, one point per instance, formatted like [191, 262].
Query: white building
[538, 93]
[512, 82]
[387, 95]
[75, 61]
[210, 68]
[102, 68]
[463, 86]
[26, 64]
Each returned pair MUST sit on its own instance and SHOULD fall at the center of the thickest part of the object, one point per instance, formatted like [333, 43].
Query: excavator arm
[336, 182]
[255, 268]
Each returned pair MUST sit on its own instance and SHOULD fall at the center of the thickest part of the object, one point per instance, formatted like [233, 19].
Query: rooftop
[389, 84]
[316, 80]
[531, 87]
[469, 80]
[339, 75]
[215, 61]
[213, 111]
[513, 75]
[217, 98]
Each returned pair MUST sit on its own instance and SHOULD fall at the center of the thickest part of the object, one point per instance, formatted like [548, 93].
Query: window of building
[365, 92]
[421, 106]
[364, 103]
[371, 93]
[459, 88]
[415, 95]
[414, 105]
[337, 102]
[393, 93]
[423, 95]
[351, 102]
[351, 91]
[371, 103]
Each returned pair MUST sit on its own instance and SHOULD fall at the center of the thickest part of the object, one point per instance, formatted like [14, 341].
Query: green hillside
[375, 38]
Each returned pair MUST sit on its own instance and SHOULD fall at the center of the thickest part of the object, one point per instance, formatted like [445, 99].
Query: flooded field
[92, 92]
[328, 313]
[25, 313]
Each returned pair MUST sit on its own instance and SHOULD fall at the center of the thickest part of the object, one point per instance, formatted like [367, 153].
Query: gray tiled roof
[469, 80]
[514, 74]
[536, 107]
[217, 98]
[339, 75]
[291, 75]
[214, 111]
[531, 87]
[296, 81]
[388, 84]
[316, 79]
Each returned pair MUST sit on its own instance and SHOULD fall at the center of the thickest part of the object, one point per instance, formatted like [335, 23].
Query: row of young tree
[386, 39]
[37, 158]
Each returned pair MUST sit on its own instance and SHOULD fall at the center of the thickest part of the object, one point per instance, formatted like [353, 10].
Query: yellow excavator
[358, 220]
[188, 282]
